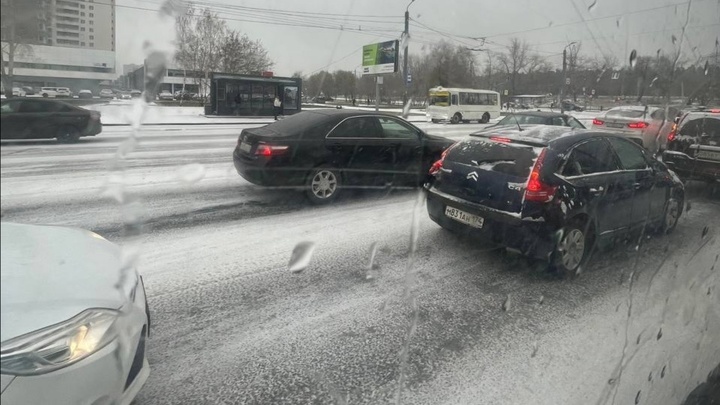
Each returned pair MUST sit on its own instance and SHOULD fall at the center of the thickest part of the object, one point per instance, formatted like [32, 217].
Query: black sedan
[325, 151]
[552, 193]
[693, 146]
[29, 118]
[523, 119]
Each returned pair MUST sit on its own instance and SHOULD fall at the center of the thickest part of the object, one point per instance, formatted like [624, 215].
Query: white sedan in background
[648, 126]
[73, 328]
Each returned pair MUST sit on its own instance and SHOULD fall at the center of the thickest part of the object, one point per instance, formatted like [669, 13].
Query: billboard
[380, 58]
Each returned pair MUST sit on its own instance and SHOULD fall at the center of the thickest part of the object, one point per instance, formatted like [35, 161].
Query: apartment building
[75, 46]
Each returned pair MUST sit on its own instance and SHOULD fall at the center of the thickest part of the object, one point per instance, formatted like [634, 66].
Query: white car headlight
[59, 345]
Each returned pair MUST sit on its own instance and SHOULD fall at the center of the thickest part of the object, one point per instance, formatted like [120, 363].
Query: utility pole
[564, 76]
[406, 38]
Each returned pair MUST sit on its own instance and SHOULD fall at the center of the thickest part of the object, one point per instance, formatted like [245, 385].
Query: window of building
[82, 43]
[82, 28]
[92, 37]
[92, 15]
[91, 22]
[92, 44]
[92, 7]
[92, 30]
[82, 14]
[82, 6]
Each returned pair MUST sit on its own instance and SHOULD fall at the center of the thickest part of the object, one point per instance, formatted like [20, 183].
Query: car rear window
[626, 113]
[515, 119]
[513, 159]
[707, 129]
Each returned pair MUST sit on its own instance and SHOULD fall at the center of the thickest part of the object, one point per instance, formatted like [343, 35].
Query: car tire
[434, 121]
[67, 134]
[456, 119]
[323, 184]
[45, 95]
[485, 118]
[572, 249]
[671, 215]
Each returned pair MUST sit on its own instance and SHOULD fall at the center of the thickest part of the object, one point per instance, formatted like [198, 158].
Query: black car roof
[337, 112]
[43, 100]
[547, 114]
[551, 135]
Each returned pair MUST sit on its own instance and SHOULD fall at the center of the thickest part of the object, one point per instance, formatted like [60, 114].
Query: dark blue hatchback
[552, 192]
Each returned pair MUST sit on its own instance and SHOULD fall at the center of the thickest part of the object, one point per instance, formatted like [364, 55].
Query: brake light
[270, 150]
[673, 133]
[715, 111]
[638, 125]
[500, 139]
[435, 167]
[536, 190]
[598, 122]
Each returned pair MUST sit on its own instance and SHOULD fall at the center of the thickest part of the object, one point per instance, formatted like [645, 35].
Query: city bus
[462, 105]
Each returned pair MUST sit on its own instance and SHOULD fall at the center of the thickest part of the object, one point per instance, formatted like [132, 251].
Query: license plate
[462, 216]
[611, 125]
[707, 154]
[245, 147]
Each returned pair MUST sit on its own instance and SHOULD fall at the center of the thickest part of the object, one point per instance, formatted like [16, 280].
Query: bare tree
[240, 54]
[21, 25]
[199, 40]
[515, 60]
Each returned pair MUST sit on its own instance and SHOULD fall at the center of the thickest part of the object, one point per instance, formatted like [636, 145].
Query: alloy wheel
[324, 184]
[572, 249]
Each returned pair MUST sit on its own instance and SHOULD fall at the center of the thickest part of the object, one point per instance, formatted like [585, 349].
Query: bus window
[454, 99]
[441, 101]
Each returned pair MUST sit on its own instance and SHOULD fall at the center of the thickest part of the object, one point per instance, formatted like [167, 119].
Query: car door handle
[637, 186]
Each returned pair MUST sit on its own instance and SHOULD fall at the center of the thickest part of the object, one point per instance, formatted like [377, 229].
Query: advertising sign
[380, 58]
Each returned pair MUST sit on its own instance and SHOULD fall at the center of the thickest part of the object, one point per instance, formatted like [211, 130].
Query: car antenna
[516, 120]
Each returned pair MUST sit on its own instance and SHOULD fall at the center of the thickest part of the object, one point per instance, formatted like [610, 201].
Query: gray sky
[644, 25]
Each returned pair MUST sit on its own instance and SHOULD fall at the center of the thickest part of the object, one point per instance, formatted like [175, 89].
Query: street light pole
[406, 38]
[564, 75]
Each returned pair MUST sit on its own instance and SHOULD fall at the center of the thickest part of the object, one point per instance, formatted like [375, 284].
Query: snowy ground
[231, 323]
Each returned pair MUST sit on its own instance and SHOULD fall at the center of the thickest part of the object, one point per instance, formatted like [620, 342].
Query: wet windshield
[360, 202]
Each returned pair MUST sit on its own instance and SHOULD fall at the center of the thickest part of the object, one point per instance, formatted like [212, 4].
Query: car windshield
[360, 202]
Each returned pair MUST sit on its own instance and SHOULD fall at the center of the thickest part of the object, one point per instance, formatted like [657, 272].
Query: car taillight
[638, 125]
[598, 122]
[271, 150]
[439, 163]
[536, 190]
[673, 133]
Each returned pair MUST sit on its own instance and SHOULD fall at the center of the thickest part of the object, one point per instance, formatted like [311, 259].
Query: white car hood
[50, 274]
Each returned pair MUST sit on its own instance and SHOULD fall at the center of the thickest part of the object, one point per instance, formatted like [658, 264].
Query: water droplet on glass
[674, 39]
[650, 376]
[172, 8]
[705, 232]
[662, 372]
[542, 299]
[406, 109]
[506, 304]
[371, 262]
[707, 68]
[638, 338]
[617, 22]
[592, 6]
[611, 381]
[301, 255]
[191, 173]
[637, 398]
[633, 58]
[653, 81]
[659, 335]
[534, 349]
[688, 206]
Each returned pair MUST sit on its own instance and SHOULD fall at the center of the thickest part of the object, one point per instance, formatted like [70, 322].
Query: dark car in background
[539, 118]
[106, 93]
[325, 151]
[552, 192]
[693, 146]
[30, 118]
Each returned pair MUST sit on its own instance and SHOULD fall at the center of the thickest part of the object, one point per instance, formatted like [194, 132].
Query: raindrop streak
[191, 173]
[371, 262]
[674, 39]
[653, 81]
[659, 335]
[638, 339]
[406, 109]
[535, 349]
[592, 6]
[662, 373]
[506, 304]
[633, 58]
[301, 255]
[705, 232]
[707, 67]
[637, 398]
[542, 299]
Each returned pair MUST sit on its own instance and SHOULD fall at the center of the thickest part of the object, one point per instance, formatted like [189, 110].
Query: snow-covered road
[376, 309]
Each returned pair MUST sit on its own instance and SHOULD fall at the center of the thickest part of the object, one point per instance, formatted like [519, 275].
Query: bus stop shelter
[247, 95]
